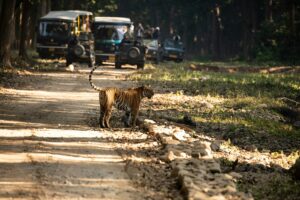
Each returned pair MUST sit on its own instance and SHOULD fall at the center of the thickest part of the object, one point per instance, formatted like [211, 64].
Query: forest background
[249, 30]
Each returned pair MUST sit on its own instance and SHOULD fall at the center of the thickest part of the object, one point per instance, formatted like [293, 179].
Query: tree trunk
[43, 8]
[71, 5]
[292, 16]
[246, 29]
[6, 23]
[253, 13]
[16, 43]
[292, 30]
[48, 6]
[170, 21]
[33, 23]
[216, 32]
[1, 2]
[269, 10]
[24, 29]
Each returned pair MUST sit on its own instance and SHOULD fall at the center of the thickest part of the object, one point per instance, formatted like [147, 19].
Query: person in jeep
[176, 37]
[156, 33]
[140, 32]
[126, 38]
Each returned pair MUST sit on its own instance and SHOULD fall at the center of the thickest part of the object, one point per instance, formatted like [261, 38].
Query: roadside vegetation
[253, 111]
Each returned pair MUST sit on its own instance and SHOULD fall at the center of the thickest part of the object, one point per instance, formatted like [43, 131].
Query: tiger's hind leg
[107, 117]
[101, 118]
[126, 119]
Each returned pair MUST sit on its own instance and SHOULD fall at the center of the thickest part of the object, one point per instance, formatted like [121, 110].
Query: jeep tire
[44, 55]
[178, 60]
[118, 65]
[99, 61]
[134, 53]
[79, 50]
[68, 61]
[157, 59]
[141, 66]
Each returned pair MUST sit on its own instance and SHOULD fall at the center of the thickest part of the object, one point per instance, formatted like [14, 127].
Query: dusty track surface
[51, 148]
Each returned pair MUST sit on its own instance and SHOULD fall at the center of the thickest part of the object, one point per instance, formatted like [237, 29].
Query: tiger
[127, 100]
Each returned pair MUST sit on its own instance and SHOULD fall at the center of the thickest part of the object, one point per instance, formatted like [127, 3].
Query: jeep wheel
[68, 61]
[157, 59]
[98, 60]
[79, 50]
[133, 53]
[43, 55]
[118, 65]
[141, 66]
[178, 60]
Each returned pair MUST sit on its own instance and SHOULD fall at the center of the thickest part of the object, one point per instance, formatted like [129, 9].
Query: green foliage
[243, 103]
[274, 187]
[276, 43]
[224, 84]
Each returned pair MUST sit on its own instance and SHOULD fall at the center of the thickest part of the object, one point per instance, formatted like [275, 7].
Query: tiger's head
[147, 91]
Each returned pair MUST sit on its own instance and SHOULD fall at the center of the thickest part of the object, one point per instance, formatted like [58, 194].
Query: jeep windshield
[115, 33]
[54, 29]
[151, 43]
[173, 44]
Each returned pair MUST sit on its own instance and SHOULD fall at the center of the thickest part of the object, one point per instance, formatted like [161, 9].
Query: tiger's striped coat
[127, 100]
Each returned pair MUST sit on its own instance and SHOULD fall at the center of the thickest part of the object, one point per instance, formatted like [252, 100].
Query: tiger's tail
[91, 82]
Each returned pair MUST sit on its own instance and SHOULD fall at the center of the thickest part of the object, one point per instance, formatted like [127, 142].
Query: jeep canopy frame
[78, 17]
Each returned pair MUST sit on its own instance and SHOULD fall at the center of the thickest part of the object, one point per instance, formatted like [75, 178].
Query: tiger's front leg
[126, 119]
[134, 114]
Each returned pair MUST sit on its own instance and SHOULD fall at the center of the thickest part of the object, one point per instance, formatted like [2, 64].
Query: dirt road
[51, 148]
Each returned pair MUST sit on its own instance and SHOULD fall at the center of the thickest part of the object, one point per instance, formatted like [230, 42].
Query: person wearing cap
[140, 31]
[156, 33]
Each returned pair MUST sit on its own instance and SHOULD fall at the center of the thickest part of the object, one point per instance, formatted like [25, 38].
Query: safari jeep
[155, 51]
[130, 52]
[173, 50]
[55, 29]
[108, 33]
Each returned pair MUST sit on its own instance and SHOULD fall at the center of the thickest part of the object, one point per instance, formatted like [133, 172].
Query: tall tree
[26, 5]
[217, 28]
[1, 2]
[6, 27]
[269, 10]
